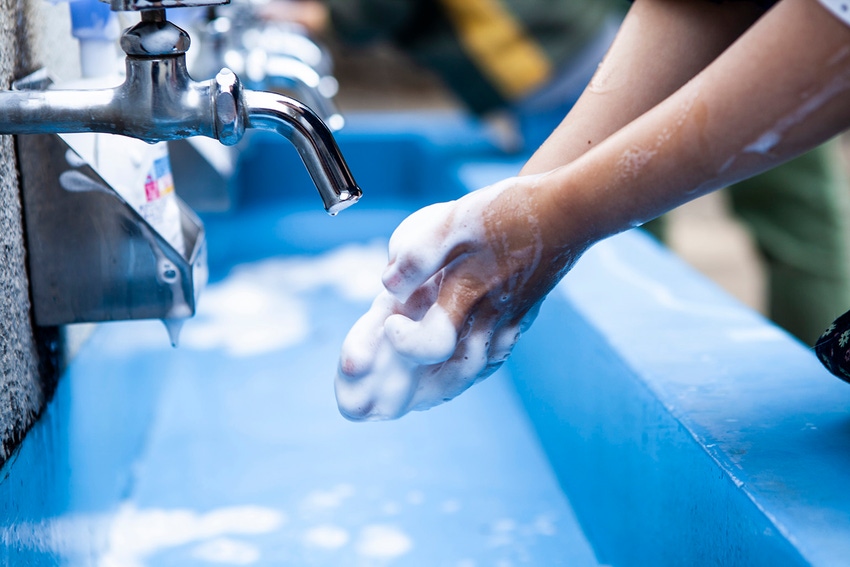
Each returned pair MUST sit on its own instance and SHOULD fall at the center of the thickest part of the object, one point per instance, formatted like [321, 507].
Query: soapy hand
[464, 280]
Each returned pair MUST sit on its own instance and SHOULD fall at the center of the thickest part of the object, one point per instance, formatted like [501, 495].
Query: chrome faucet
[268, 56]
[159, 101]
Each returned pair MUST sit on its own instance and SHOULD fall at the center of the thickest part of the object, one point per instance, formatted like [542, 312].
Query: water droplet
[173, 326]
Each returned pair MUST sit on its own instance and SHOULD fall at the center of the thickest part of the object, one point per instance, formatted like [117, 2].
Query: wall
[27, 356]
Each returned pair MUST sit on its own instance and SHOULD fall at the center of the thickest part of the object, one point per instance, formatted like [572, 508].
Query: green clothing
[799, 217]
[490, 53]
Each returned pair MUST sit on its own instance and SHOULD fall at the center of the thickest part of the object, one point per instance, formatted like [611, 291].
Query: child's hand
[464, 280]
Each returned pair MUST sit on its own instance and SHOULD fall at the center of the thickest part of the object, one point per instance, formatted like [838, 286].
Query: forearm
[659, 47]
[777, 92]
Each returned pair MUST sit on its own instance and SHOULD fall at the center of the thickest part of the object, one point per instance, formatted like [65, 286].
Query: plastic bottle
[139, 172]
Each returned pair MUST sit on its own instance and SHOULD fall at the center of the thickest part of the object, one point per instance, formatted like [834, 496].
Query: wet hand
[464, 280]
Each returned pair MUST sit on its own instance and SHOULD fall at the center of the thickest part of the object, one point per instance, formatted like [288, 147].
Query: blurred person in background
[520, 64]
[525, 63]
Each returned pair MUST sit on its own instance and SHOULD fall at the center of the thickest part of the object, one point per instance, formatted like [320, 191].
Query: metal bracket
[91, 256]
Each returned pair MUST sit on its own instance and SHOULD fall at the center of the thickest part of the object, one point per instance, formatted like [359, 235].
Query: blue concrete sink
[645, 419]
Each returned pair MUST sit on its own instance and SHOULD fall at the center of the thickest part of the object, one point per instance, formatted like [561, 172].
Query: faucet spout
[313, 140]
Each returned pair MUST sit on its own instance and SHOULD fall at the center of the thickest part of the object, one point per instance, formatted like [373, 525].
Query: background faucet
[267, 56]
[159, 101]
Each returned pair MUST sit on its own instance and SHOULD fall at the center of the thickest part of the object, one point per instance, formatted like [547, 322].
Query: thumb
[431, 340]
[419, 247]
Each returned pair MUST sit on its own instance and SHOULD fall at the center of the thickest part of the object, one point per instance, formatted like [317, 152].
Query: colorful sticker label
[159, 181]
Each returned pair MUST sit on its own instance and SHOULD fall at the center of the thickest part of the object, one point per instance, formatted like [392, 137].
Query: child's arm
[466, 277]
[781, 89]
[660, 45]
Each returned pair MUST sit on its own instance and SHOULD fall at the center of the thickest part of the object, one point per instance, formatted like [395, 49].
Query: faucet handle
[229, 116]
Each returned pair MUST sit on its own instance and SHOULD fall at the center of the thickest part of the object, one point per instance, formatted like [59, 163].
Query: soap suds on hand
[407, 353]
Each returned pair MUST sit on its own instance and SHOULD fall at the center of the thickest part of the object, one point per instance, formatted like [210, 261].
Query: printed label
[159, 181]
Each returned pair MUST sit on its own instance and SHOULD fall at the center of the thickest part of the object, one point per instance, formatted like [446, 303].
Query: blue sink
[645, 419]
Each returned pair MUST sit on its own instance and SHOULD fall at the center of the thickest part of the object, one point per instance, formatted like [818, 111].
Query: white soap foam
[633, 160]
[428, 341]
[322, 500]
[382, 542]
[326, 537]
[245, 318]
[811, 102]
[227, 551]
[131, 536]
[137, 534]
[406, 353]
[262, 307]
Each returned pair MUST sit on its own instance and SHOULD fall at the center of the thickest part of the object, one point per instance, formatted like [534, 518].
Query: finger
[421, 331]
[418, 249]
[441, 365]
[422, 299]
[373, 382]
[473, 319]
[485, 343]
[450, 379]
[360, 347]
[428, 341]
[381, 394]
[431, 337]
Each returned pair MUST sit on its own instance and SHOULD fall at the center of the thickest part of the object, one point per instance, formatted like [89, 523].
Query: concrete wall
[27, 356]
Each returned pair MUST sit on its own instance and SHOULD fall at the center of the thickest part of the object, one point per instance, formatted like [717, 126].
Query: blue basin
[645, 419]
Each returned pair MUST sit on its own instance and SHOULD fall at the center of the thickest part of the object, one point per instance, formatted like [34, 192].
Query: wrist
[573, 214]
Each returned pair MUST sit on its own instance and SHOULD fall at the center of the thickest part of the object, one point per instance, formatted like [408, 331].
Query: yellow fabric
[499, 45]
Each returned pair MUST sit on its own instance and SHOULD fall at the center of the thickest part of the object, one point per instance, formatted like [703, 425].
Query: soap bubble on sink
[262, 306]
[326, 537]
[321, 500]
[352, 271]
[226, 550]
[379, 541]
[131, 536]
[246, 319]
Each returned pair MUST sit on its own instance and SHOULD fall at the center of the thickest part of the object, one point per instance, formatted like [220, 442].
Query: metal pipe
[313, 140]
